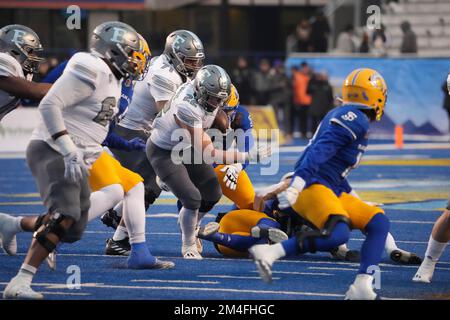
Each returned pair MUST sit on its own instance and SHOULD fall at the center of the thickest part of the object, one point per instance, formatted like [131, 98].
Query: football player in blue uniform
[320, 193]
[233, 179]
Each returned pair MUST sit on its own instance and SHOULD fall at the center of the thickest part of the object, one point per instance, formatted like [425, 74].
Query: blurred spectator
[409, 41]
[262, 81]
[364, 46]
[379, 41]
[301, 99]
[446, 101]
[299, 40]
[345, 42]
[241, 78]
[322, 99]
[320, 29]
[280, 96]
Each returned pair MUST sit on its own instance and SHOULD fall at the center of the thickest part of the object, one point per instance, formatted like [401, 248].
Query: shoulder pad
[354, 121]
[188, 115]
[86, 67]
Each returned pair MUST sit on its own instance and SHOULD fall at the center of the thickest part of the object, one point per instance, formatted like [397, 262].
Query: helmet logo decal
[177, 42]
[18, 36]
[118, 34]
[364, 94]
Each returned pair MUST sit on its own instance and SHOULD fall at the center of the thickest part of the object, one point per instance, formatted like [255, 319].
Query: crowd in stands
[300, 100]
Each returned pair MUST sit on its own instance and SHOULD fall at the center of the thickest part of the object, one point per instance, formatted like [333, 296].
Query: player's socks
[140, 257]
[338, 236]
[235, 241]
[9, 227]
[188, 221]
[373, 247]
[120, 234]
[104, 199]
[134, 213]
[434, 249]
[432, 255]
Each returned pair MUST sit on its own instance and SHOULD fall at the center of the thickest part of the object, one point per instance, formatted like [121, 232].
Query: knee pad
[193, 201]
[323, 233]
[39, 221]
[52, 226]
[206, 206]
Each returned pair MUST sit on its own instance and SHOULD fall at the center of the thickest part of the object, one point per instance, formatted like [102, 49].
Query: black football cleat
[118, 248]
[111, 219]
[405, 257]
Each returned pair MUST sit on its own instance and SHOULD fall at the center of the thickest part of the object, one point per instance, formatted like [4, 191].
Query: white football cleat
[207, 230]
[8, 234]
[361, 289]
[191, 252]
[263, 261]
[19, 289]
[273, 234]
[425, 272]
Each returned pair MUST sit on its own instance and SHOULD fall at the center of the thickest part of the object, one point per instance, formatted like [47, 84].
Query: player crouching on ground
[320, 193]
[76, 113]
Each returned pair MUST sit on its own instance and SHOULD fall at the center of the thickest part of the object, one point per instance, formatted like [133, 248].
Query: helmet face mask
[212, 87]
[24, 45]
[119, 44]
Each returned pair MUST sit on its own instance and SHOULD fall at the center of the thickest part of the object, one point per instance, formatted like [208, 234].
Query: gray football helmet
[23, 44]
[119, 44]
[185, 51]
[212, 87]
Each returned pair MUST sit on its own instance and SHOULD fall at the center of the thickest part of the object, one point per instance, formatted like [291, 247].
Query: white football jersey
[160, 84]
[183, 106]
[9, 67]
[88, 122]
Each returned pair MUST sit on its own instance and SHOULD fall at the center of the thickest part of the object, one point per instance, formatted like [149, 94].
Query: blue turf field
[416, 191]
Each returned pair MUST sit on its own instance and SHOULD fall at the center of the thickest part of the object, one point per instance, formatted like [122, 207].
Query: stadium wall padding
[415, 95]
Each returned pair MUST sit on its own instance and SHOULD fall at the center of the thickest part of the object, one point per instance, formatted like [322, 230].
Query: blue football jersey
[336, 148]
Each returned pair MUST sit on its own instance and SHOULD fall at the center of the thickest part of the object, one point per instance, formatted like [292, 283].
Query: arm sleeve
[62, 95]
[162, 88]
[113, 140]
[323, 149]
[186, 114]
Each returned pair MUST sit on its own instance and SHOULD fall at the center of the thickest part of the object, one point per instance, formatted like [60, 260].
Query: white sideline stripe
[333, 268]
[398, 241]
[175, 281]
[413, 222]
[107, 286]
[232, 277]
[302, 273]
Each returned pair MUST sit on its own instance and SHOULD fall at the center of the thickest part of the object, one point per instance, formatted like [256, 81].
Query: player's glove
[74, 165]
[288, 197]
[260, 152]
[232, 172]
[136, 144]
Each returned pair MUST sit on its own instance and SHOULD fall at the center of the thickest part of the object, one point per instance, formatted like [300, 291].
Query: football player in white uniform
[19, 60]
[182, 57]
[68, 140]
[178, 144]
